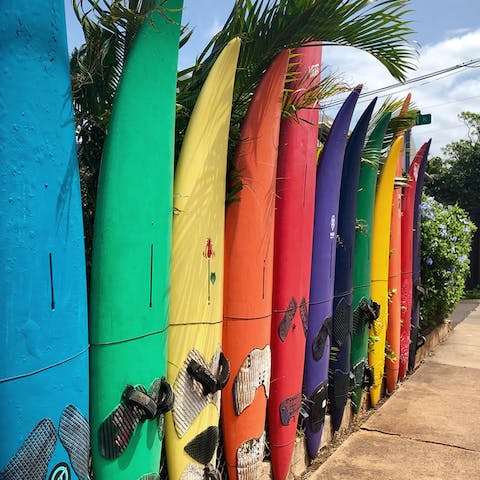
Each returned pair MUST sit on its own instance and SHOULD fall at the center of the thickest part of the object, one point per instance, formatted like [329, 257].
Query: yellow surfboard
[380, 259]
[197, 369]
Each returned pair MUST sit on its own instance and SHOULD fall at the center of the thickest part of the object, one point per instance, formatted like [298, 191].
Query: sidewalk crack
[430, 442]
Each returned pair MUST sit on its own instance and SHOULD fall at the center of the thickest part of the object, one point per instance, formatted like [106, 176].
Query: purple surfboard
[339, 370]
[327, 194]
[417, 289]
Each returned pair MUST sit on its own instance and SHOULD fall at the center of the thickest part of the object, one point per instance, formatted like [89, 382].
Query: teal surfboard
[43, 304]
[131, 258]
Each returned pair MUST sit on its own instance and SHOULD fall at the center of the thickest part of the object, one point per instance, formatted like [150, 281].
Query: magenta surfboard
[295, 197]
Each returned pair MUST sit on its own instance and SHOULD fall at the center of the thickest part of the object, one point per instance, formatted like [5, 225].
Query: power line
[406, 89]
[450, 102]
[453, 69]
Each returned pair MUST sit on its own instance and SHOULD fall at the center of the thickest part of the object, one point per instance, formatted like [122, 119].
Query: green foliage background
[446, 239]
[454, 176]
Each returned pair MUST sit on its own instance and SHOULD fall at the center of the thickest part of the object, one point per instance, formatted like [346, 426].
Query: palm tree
[266, 28]
[109, 29]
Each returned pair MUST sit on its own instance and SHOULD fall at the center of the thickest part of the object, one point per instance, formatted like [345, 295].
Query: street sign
[423, 119]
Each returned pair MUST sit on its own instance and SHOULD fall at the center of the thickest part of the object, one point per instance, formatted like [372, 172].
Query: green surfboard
[363, 308]
[129, 302]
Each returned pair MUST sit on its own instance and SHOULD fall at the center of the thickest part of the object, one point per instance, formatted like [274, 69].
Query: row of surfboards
[264, 303]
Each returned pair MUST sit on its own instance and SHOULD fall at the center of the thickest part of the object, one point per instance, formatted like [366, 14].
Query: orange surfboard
[392, 361]
[249, 239]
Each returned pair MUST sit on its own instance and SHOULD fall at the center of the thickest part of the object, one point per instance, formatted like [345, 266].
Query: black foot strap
[416, 341]
[207, 379]
[368, 378]
[419, 292]
[362, 375]
[421, 340]
[211, 473]
[318, 407]
[366, 313]
[137, 405]
[357, 374]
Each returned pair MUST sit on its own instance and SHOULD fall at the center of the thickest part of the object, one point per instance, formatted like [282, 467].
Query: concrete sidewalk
[429, 428]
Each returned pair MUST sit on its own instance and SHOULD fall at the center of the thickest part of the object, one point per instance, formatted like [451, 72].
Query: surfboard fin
[137, 405]
[32, 459]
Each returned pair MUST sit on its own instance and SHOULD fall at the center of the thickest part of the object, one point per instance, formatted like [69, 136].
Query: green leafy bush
[446, 236]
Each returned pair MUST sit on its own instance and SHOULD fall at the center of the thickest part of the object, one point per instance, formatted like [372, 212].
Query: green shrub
[446, 236]
[472, 294]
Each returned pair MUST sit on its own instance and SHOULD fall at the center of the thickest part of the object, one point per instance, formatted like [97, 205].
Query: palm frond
[308, 94]
[400, 120]
[109, 29]
[266, 27]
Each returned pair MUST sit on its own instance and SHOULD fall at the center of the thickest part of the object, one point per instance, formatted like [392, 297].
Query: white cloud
[444, 96]
[456, 33]
[214, 28]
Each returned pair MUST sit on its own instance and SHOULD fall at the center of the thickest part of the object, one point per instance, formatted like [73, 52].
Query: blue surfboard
[43, 308]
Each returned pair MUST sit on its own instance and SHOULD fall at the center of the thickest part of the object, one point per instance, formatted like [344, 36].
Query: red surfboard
[407, 259]
[292, 262]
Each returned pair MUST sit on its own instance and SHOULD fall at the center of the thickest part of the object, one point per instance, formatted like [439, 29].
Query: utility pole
[407, 148]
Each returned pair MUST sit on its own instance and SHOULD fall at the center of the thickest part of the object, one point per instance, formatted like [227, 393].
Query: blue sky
[447, 34]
